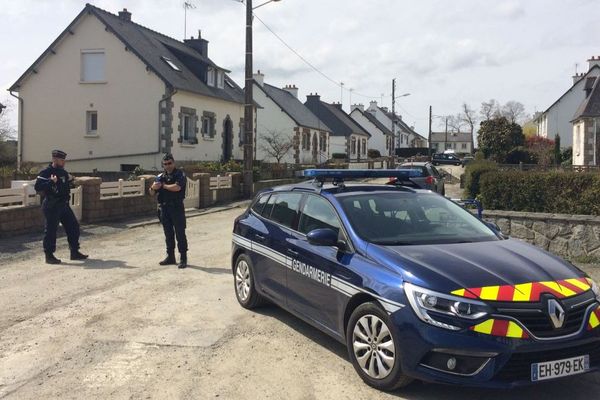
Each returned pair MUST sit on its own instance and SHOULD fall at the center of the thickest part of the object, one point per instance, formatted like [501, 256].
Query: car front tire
[372, 344]
[244, 283]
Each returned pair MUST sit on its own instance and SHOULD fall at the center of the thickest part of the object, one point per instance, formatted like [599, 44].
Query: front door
[227, 139]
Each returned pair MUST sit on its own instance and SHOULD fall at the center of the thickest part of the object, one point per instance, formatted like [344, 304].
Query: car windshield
[396, 219]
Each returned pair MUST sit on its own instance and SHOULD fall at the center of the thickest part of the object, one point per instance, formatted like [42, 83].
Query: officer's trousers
[172, 217]
[55, 214]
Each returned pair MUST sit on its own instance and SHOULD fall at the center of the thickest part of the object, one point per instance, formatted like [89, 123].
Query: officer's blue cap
[59, 154]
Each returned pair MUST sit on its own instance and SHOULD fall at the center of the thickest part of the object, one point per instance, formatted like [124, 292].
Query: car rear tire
[372, 344]
[244, 283]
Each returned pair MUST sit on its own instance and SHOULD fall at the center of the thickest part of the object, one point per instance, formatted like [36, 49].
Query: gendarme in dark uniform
[170, 187]
[54, 183]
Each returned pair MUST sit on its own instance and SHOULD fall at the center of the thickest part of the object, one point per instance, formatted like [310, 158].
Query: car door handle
[260, 238]
[293, 253]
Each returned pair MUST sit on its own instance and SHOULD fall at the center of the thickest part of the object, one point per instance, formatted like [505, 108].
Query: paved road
[120, 326]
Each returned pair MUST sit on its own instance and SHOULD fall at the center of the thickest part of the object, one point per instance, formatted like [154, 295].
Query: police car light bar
[344, 174]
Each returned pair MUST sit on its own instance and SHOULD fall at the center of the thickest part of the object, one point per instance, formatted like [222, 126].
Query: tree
[557, 156]
[8, 148]
[541, 150]
[276, 145]
[489, 110]
[530, 129]
[498, 136]
[469, 117]
[513, 111]
[455, 123]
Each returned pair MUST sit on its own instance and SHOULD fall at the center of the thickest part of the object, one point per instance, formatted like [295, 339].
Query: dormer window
[220, 79]
[171, 64]
[211, 77]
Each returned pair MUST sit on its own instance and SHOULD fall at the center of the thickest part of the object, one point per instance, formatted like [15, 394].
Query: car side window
[259, 204]
[286, 208]
[317, 213]
[436, 173]
[268, 208]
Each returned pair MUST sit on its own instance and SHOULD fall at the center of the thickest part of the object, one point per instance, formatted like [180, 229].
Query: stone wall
[18, 220]
[572, 236]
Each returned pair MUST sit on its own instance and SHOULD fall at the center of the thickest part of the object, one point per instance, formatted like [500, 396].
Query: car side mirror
[322, 237]
[496, 229]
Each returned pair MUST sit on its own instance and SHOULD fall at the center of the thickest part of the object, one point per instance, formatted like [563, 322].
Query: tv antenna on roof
[186, 5]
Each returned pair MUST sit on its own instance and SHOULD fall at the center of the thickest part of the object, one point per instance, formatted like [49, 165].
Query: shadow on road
[573, 388]
[211, 270]
[92, 263]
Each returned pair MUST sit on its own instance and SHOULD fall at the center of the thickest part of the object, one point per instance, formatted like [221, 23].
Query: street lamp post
[249, 104]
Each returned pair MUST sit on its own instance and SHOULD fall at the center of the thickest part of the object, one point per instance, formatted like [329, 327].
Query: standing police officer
[170, 186]
[55, 183]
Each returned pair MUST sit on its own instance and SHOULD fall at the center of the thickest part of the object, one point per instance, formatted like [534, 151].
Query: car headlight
[596, 290]
[427, 303]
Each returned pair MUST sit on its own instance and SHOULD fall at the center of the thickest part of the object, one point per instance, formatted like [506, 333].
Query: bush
[549, 192]
[473, 173]
[373, 153]
[520, 155]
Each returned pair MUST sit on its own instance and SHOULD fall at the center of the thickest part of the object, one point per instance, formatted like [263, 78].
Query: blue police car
[414, 285]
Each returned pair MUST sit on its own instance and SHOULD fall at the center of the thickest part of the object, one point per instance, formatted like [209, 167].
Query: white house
[586, 126]
[382, 139]
[406, 136]
[557, 118]
[283, 117]
[460, 142]
[347, 137]
[115, 95]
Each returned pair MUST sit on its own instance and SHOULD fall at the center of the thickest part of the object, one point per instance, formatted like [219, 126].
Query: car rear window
[259, 204]
[420, 168]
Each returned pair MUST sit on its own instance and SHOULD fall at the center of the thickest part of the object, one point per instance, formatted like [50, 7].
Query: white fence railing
[76, 202]
[121, 188]
[192, 194]
[19, 197]
[220, 182]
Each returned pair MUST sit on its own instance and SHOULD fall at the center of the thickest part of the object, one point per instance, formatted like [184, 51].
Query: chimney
[200, 45]
[385, 109]
[259, 77]
[291, 89]
[313, 98]
[593, 62]
[577, 77]
[337, 105]
[125, 15]
[357, 106]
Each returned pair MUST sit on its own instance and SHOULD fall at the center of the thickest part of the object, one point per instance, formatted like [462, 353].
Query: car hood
[449, 267]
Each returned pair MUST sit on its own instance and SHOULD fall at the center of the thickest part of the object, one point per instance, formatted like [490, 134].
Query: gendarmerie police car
[415, 285]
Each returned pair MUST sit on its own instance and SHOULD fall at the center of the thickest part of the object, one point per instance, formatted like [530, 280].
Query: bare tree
[455, 123]
[7, 132]
[468, 117]
[514, 111]
[276, 144]
[489, 109]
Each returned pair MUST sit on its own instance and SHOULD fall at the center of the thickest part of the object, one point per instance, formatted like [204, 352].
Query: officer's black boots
[76, 255]
[170, 260]
[183, 261]
[50, 259]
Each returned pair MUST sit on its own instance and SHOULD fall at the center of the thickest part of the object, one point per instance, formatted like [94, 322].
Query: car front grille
[536, 319]
[518, 366]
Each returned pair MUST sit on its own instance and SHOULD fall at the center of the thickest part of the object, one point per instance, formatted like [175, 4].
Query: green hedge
[549, 192]
[473, 173]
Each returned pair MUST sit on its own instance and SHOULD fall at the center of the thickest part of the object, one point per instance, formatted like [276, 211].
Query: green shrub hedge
[473, 173]
[549, 192]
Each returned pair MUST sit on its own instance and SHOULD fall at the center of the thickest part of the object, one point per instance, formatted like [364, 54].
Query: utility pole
[248, 109]
[394, 113]
[429, 139]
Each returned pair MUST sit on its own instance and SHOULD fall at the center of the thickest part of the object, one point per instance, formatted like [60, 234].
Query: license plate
[559, 368]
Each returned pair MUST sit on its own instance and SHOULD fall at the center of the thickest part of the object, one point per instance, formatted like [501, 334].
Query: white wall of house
[557, 119]
[337, 144]
[387, 122]
[55, 104]
[378, 139]
[578, 142]
[207, 148]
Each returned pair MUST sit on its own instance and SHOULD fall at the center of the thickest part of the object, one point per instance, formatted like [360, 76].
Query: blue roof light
[342, 174]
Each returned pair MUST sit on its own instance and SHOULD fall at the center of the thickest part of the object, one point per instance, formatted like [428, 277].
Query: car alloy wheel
[242, 280]
[244, 283]
[373, 346]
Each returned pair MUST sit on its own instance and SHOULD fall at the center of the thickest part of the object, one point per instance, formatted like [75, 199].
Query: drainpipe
[20, 131]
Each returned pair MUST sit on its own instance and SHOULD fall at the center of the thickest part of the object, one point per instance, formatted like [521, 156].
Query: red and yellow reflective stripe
[527, 292]
[500, 327]
[594, 320]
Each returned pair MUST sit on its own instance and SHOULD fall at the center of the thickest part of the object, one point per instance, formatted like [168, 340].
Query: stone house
[347, 137]
[282, 115]
[382, 139]
[115, 95]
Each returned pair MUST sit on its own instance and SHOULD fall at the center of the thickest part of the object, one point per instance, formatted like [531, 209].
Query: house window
[171, 63]
[93, 66]
[463, 146]
[364, 146]
[305, 141]
[211, 77]
[448, 145]
[353, 146]
[187, 126]
[220, 79]
[209, 121]
[323, 142]
[91, 118]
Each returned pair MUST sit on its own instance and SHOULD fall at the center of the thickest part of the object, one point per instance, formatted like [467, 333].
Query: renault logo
[556, 313]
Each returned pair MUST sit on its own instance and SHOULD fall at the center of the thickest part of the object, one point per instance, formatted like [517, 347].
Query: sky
[442, 52]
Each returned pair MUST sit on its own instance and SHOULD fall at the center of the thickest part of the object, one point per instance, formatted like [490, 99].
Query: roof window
[171, 63]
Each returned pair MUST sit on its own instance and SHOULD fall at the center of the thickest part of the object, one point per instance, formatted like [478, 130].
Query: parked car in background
[467, 159]
[431, 178]
[445, 159]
